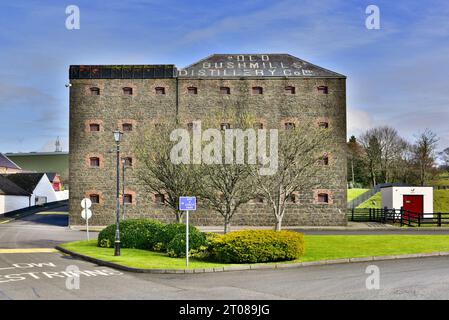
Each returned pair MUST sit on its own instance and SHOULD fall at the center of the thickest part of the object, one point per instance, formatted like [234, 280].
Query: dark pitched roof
[7, 187]
[255, 65]
[122, 71]
[26, 181]
[7, 163]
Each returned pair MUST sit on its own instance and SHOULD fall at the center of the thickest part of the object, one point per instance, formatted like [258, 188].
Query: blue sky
[398, 75]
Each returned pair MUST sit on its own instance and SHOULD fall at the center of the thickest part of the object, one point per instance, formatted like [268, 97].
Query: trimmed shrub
[197, 244]
[168, 232]
[134, 233]
[253, 246]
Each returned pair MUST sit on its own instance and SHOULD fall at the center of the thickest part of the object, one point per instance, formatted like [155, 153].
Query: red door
[413, 205]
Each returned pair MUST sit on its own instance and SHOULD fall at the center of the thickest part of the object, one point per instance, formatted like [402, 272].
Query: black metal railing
[398, 216]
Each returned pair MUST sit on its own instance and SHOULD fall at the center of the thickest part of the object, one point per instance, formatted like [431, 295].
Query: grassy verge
[317, 248]
[354, 193]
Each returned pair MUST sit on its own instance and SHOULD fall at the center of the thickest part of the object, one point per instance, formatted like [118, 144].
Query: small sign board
[187, 203]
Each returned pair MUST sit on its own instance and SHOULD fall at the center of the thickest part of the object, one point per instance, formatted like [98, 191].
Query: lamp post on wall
[117, 137]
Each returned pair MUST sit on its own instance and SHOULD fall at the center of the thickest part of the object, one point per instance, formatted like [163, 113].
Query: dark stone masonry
[104, 98]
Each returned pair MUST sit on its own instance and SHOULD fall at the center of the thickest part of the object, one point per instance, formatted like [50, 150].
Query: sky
[397, 75]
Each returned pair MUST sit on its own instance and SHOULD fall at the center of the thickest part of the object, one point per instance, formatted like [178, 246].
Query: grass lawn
[354, 193]
[318, 247]
[442, 180]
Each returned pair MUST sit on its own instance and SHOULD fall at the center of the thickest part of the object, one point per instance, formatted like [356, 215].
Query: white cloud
[358, 121]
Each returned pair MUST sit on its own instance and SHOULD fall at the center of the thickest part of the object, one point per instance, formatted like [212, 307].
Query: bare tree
[384, 149]
[226, 185]
[157, 172]
[424, 154]
[299, 150]
[444, 156]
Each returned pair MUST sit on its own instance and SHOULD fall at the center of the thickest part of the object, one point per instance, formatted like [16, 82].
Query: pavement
[31, 269]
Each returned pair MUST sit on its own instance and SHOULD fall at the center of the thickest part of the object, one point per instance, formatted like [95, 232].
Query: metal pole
[117, 228]
[87, 226]
[187, 239]
[123, 188]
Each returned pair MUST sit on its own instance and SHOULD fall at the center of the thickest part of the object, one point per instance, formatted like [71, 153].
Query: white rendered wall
[45, 189]
[11, 203]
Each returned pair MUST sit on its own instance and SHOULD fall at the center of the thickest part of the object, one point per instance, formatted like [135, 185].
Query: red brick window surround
[94, 127]
[225, 90]
[127, 127]
[323, 198]
[127, 91]
[192, 90]
[94, 91]
[290, 90]
[257, 90]
[94, 162]
[323, 89]
[160, 90]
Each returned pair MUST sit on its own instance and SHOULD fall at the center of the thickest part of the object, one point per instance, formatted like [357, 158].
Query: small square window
[323, 125]
[258, 125]
[323, 89]
[128, 199]
[160, 90]
[128, 91]
[225, 90]
[291, 198]
[94, 162]
[190, 126]
[324, 161]
[127, 161]
[94, 198]
[323, 198]
[95, 91]
[290, 125]
[258, 199]
[126, 127]
[290, 90]
[257, 90]
[94, 127]
[192, 90]
[225, 126]
[159, 198]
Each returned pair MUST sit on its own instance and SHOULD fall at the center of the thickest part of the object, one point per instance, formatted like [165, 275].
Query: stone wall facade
[111, 108]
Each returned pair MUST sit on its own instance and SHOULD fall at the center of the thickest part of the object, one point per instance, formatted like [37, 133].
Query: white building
[416, 200]
[35, 187]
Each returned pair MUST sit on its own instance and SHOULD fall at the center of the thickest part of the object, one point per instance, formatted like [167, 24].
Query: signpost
[86, 213]
[187, 204]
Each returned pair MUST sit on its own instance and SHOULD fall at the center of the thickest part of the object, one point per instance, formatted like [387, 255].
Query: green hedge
[134, 233]
[197, 244]
[255, 246]
[168, 232]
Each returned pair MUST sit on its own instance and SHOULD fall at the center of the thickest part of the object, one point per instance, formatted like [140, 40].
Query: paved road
[38, 274]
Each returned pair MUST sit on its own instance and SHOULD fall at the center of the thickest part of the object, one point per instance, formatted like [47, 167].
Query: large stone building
[280, 89]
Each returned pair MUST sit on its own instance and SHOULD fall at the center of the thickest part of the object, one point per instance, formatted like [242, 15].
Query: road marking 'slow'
[28, 250]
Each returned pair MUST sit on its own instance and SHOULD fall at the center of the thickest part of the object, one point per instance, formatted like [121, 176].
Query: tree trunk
[179, 217]
[227, 225]
[278, 224]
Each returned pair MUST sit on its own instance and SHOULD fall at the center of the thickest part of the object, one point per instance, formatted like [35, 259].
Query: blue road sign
[187, 203]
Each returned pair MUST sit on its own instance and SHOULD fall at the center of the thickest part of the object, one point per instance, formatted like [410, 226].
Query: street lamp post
[117, 137]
